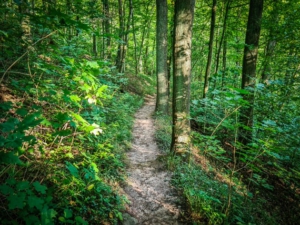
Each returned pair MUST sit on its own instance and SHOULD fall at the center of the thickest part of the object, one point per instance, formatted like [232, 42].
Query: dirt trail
[152, 199]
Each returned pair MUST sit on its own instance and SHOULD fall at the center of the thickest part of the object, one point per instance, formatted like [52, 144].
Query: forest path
[152, 201]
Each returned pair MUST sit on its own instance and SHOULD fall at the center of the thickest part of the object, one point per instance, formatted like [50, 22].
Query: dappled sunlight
[148, 189]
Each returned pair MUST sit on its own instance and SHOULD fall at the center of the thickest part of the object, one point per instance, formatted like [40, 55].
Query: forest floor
[152, 200]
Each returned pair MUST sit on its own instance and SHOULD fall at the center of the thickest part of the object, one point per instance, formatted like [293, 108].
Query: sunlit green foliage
[64, 122]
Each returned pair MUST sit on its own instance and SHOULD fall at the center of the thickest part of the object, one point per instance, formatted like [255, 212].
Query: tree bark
[106, 25]
[249, 69]
[119, 60]
[271, 43]
[222, 36]
[183, 22]
[162, 56]
[210, 48]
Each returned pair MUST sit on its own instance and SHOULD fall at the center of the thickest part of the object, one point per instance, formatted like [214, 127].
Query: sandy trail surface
[152, 201]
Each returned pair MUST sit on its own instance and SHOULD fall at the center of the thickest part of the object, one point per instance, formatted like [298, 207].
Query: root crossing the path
[152, 201]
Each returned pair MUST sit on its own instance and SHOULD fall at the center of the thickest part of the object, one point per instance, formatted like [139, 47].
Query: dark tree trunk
[119, 60]
[222, 36]
[162, 56]
[210, 48]
[249, 69]
[106, 25]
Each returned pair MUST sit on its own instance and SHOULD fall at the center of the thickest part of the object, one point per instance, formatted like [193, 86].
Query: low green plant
[62, 148]
[214, 196]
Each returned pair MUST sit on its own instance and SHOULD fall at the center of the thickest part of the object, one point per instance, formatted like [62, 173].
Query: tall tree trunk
[125, 46]
[135, 46]
[271, 43]
[210, 48]
[119, 61]
[162, 56]
[148, 20]
[95, 50]
[106, 25]
[266, 70]
[249, 69]
[183, 22]
[224, 60]
[222, 36]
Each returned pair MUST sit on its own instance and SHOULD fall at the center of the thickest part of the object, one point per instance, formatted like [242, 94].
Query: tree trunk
[125, 46]
[222, 36]
[210, 48]
[119, 61]
[162, 56]
[271, 43]
[106, 25]
[266, 70]
[224, 60]
[249, 69]
[183, 22]
[135, 46]
[95, 50]
[148, 20]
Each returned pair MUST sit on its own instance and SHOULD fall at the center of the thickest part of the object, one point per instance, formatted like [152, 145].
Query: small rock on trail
[152, 201]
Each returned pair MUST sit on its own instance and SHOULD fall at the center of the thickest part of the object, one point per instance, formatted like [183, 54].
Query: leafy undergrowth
[214, 196]
[63, 131]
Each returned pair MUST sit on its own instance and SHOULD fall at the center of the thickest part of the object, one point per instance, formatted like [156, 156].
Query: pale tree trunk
[210, 48]
[183, 22]
[249, 69]
[162, 56]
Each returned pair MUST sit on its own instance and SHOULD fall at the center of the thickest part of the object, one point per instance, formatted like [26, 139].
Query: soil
[152, 200]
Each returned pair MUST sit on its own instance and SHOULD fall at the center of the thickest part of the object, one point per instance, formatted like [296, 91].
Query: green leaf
[75, 98]
[32, 220]
[30, 121]
[47, 216]
[3, 33]
[5, 106]
[63, 117]
[16, 201]
[239, 90]
[80, 221]
[46, 122]
[10, 158]
[73, 170]
[67, 213]
[100, 91]
[9, 125]
[22, 112]
[36, 202]
[22, 185]
[90, 187]
[39, 188]
[5, 189]
[79, 118]
[92, 64]
[61, 219]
